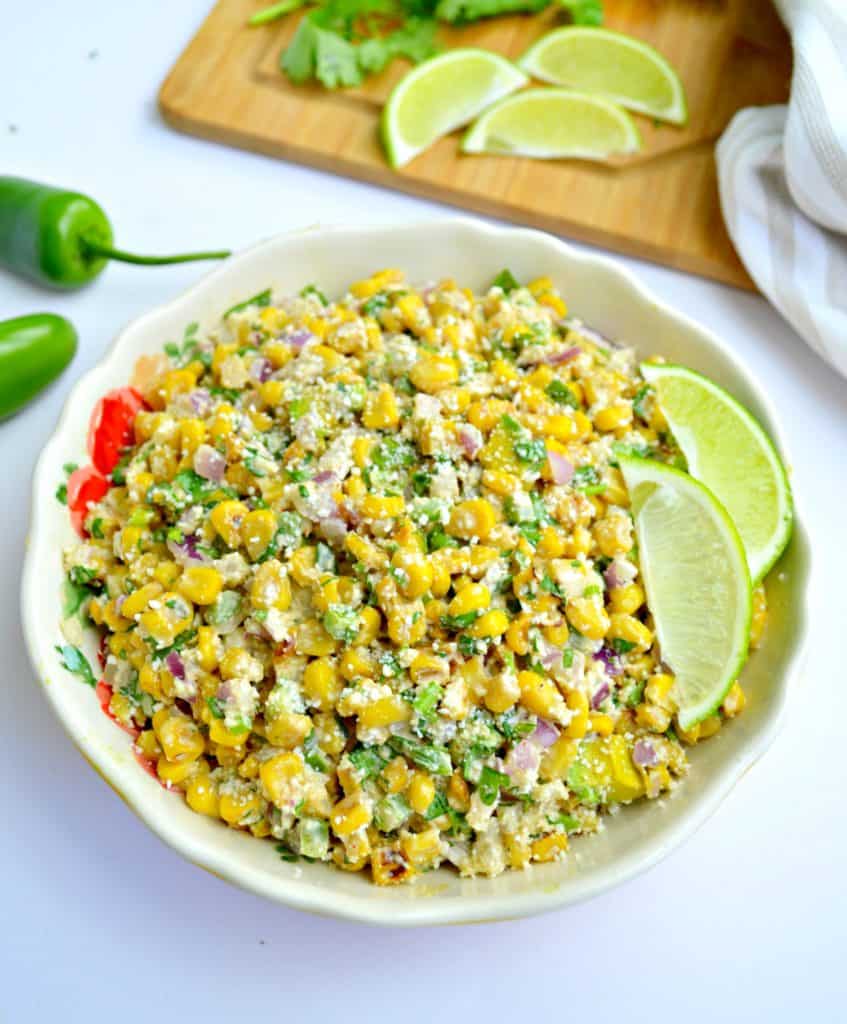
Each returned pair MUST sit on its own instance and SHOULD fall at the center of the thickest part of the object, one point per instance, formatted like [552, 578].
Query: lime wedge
[728, 450]
[609, 64]
[696, 579]
[441, 95]
[551, 123]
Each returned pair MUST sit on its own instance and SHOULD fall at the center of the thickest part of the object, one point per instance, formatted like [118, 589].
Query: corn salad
[367, 581]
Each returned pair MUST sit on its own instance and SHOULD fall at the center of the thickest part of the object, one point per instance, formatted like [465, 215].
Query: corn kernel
[257, 531]
[502, 692]
[201, 795]
[385, 711]
[490, 624]
[549, 848]
[421, 792]
[227, 518]
[734, 701]
[381, 411]
[588, 617]
[630, 629]
[200, 584]
[475, 597]
[474, 518]
[433, 373]
[377, 507]
[348, 815]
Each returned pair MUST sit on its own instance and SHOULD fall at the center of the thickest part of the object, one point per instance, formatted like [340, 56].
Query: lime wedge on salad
[623, 69]
[696, 580]
[551, 123]
[729, 452]
[441, 95]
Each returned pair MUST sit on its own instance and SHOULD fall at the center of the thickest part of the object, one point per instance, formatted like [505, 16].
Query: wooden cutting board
[661, 204]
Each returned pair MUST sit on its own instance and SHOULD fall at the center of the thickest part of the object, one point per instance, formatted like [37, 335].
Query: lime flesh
[553, 123]
[696, 580]
[619, 67]
[729, 452]
[441, 95]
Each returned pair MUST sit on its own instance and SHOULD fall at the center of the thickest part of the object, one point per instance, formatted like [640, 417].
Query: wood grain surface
[660, 204]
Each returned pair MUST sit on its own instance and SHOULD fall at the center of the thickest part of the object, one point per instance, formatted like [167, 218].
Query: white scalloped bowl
[606, 297]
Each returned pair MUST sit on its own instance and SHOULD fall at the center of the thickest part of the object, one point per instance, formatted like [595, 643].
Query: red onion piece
[200, 401]
[611, 576]
[333, 529]
[590, 333]
[600, 695]
[550, 655]
[261, 369]
[610, 661]
[186, 551]
[470, 443]
[644, 755]
[326, 476]
[564, 356]
[223, 692]
[175, 665]
[297, 339]
[119, 603]
[545, 734]
[562, 469]
[524, 757]
[209, 464]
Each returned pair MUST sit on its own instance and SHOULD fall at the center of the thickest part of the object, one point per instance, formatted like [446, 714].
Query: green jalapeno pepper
[63, 239]
[33, 352]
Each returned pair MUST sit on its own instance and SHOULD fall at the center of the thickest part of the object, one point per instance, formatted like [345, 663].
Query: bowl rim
[324, 900]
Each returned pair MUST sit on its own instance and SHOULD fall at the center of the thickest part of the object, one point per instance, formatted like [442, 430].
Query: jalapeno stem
[92, 248]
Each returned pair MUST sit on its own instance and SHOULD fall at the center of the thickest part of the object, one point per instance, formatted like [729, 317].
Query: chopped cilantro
[438, 538]
[427, 699]
[587, 480]
[313, 290]
[561, 393]
[260, 299]
[490, 783]
[638, 401]
[341, 622]
[505, 279]
[457, 622]
[214, 705]
[376, 303]
[621, 646]
[421, 481]
[367, 761]
[424, 755]
[583, 12]
[76, 662]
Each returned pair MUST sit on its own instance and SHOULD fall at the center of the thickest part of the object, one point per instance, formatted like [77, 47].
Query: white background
[99, 921]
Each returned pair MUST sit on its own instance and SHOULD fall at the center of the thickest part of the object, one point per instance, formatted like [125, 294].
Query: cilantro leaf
[505, 279]
[587, 479]
[584, 12]
[76, 662]
[415, 40]
[561, 393]
[320, 53]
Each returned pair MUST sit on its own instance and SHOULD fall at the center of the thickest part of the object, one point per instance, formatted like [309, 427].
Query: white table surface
[102, 922]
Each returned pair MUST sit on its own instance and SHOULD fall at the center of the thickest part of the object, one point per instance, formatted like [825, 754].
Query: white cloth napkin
[782, 175]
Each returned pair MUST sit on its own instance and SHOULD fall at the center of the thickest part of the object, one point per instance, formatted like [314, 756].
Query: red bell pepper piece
[111, 427]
